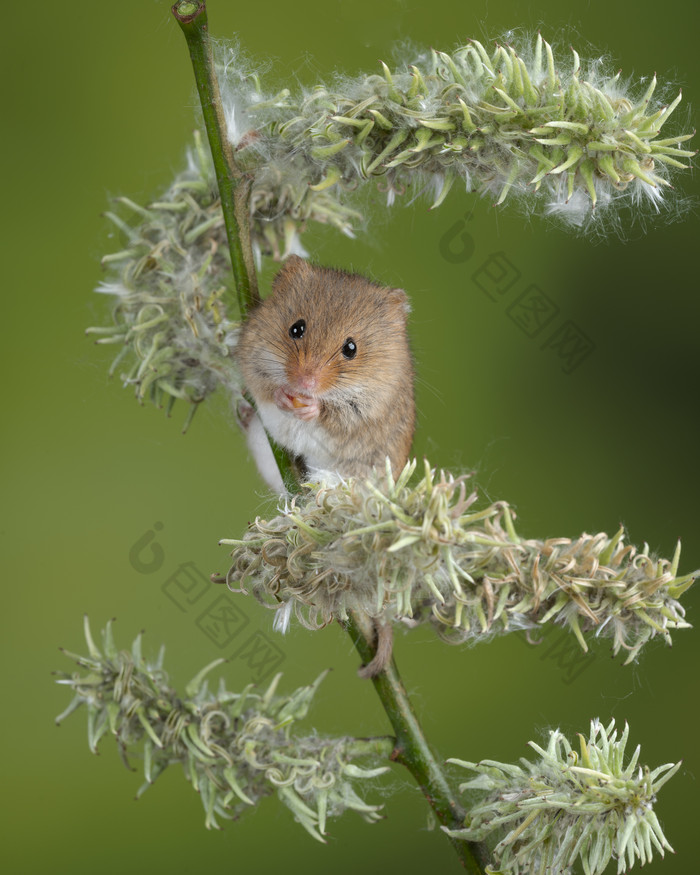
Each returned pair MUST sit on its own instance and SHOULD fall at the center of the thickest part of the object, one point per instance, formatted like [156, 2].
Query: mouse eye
[350, 348]
[297, 330]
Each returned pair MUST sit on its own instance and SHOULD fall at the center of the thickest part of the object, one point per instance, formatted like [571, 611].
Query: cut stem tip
[186, 10]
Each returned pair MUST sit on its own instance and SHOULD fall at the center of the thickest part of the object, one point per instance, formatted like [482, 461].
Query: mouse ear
[294, 266]
[399, 299]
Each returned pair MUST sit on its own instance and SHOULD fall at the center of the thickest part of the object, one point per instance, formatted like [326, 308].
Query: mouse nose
[308, 382]
[304, 377]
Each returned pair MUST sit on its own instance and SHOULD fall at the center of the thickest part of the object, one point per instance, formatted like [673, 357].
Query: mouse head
[340, 332]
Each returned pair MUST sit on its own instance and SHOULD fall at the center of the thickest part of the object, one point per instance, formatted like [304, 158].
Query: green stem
[288, 470]
[412, 749]
[380, 747]
[234, 185]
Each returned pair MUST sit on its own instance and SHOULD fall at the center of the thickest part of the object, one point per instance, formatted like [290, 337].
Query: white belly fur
[307, 439]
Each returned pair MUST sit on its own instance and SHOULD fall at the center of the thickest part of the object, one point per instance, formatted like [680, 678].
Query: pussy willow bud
[235, 748]
[423, 551]
[168, 286]
[571, 138]
[569, 806]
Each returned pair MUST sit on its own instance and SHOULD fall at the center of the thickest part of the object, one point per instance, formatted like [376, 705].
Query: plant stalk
[379, 746]
[234, 185]
[412, 749]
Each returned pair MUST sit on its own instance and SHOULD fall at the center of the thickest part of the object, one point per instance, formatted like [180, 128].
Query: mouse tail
[384, 641]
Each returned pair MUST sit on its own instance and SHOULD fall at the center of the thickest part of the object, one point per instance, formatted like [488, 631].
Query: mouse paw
[306, 409]
[244, 414]
[283, 399]
[301, 406]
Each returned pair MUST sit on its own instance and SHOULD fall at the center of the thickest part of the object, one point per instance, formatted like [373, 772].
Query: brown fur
[366, 403]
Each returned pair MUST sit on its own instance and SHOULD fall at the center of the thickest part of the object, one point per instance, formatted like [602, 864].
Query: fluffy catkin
[570, 138]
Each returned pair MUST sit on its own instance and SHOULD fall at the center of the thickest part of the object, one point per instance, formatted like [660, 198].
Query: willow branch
[412, 749]
[234, 185]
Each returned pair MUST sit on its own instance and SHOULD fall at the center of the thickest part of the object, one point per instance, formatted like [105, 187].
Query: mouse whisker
[330, 358]
[275, 344]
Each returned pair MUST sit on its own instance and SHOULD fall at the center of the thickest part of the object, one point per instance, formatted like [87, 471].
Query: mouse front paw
[302, 406]
[306, 408]
[245, 413]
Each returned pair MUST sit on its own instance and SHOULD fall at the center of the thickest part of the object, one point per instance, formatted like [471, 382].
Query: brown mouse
[326, 359]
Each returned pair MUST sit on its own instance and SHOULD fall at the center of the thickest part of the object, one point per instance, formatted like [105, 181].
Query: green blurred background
[101, 104]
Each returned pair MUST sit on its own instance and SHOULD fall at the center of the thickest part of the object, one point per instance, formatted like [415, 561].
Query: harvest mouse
[326, 359]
